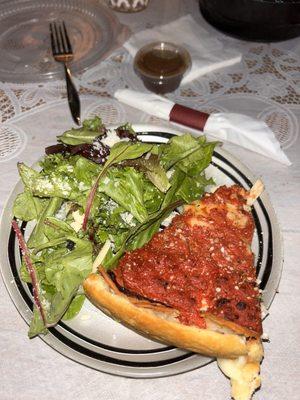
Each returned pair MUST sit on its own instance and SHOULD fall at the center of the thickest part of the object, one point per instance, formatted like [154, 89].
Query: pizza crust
[255, 192]
[220, 324]
[163, 326]
[244, 371]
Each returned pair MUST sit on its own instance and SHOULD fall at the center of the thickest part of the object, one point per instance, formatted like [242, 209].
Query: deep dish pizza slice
[194, 285]
[202, 264]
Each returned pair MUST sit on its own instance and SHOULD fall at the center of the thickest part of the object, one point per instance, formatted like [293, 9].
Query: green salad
[97, 194]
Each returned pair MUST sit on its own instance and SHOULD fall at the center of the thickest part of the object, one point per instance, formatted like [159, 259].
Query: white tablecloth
[265, 85]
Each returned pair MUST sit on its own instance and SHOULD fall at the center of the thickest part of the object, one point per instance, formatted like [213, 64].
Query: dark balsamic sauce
[161, 66]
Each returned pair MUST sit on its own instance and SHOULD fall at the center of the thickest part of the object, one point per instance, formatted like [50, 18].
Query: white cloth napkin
[242, 130]
[207, 53]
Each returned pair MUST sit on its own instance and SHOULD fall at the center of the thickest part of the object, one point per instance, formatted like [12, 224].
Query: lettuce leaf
[191, 155]
[36, 325]
[90, 129]
[64, 272]
[125, 187]
[38, 235]
[28, 207]
[54, 184]
[85, 171]
[151, 167]
[192, 188]
[126, 151]
[74, 307]
[119, 152]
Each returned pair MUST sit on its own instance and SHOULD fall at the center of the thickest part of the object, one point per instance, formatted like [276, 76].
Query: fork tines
[60, 42]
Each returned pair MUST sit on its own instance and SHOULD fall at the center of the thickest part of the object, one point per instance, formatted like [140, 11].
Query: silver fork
[62, 52]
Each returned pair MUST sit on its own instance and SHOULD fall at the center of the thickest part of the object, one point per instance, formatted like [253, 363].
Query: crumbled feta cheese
[111, 138]
[62, 212]
[82, 186]
[168, 220]
[78, 220]
[127, 218]
[170, 173]
[97, 145]
[112, 242]
[45, 303]
[45, 186]
[111, 205]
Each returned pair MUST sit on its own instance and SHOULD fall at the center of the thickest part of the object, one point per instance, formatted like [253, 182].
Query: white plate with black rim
[97, 341]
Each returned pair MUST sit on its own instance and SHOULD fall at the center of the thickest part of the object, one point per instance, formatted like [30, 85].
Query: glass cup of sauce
[161, 66]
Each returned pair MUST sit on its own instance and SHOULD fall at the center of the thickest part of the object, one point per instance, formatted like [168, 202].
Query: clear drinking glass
[128, 6]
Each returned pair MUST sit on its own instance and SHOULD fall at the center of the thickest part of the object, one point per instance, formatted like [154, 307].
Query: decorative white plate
[96, 340]
[25, 49]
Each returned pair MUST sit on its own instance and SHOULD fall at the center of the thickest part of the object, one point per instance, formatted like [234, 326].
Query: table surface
[265, 85]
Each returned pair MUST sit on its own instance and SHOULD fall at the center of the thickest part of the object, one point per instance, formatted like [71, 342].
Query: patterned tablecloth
[266, 84]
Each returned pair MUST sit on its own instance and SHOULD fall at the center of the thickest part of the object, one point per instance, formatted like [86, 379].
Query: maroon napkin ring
[187, 116]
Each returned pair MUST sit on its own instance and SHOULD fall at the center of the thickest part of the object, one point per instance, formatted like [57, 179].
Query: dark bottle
[257, 20]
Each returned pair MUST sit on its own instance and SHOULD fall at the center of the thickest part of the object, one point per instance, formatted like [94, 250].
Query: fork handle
[73, 98]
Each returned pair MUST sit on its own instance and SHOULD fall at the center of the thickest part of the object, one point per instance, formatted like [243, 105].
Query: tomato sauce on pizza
[201, 264]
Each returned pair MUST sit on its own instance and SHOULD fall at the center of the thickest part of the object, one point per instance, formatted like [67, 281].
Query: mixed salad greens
[98, 193]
